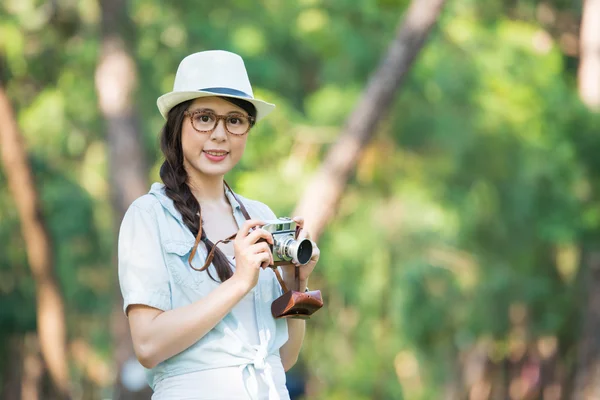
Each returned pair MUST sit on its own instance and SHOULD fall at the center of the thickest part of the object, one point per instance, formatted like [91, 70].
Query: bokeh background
[460, 234]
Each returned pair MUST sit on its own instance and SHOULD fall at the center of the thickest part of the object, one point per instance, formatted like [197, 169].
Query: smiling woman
[206, 333]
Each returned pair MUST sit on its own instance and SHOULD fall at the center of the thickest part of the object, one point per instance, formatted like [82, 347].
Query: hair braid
[175, 177]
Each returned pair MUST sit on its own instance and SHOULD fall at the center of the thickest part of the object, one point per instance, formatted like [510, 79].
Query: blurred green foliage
[477, 197]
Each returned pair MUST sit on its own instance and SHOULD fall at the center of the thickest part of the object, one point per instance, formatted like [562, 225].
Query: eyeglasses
[206, 121]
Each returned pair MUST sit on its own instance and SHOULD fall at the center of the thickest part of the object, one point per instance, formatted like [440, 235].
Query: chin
[213, 170]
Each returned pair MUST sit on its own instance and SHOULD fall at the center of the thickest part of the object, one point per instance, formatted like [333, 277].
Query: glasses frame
[218, 117]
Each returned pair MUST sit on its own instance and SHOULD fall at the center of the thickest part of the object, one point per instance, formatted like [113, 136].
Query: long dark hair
[175, 178]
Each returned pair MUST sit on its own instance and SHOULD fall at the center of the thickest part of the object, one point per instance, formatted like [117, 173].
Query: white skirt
[227, 383]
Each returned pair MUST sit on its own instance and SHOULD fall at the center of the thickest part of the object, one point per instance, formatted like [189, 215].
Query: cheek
[191, 142]
[237, 148]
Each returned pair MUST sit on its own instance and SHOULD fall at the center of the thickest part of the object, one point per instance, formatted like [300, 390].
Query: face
[197, 145]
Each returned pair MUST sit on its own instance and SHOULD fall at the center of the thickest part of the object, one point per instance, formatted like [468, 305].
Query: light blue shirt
[154, 246]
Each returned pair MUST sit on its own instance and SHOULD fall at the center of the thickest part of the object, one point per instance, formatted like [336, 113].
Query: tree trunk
[587, 378]
[323, 194]
[116, 80]
[13, 368]
[51, 325]
[589, 62]
[33, 369]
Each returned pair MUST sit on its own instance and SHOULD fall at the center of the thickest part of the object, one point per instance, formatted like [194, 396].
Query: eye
[237, 120]
[204, 118]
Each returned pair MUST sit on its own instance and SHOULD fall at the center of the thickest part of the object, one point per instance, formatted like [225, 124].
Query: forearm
[173, 331]
[290, 351]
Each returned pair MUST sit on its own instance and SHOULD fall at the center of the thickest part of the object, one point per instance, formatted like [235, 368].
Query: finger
[257, 234]
[264, 259]
[304, 234]
[299, 221]
[247, 225]
[259, 248]
[316, 253]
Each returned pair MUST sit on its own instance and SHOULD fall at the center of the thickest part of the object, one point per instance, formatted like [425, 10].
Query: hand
[250, 254]
[306, 269]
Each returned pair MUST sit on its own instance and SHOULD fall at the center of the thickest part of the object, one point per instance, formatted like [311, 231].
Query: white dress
[228, 383]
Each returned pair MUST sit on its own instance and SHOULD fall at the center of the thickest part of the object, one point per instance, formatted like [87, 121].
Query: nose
[219, 133]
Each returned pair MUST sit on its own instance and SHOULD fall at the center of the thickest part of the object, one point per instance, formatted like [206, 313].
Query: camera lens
[304, 251]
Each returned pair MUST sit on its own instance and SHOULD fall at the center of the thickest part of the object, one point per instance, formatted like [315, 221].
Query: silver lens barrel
[300, 251]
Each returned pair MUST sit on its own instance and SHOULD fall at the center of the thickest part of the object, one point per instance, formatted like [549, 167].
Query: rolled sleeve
[143, 275]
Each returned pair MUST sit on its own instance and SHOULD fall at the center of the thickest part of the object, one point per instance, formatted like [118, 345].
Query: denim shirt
[153, 250]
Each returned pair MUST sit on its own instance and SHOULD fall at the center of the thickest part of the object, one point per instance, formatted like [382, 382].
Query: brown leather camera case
[294, 304]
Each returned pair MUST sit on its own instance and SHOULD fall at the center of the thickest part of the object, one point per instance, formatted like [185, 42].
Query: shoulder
[257, 209]
[140, 222]
[143, 211]
[147, 203]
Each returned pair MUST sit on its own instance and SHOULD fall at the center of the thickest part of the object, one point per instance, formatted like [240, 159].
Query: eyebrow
[214, 112]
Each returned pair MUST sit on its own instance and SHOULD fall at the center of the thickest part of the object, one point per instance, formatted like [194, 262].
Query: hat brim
[169, 100]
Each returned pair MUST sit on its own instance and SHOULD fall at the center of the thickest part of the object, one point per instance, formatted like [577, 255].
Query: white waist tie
[259, 363]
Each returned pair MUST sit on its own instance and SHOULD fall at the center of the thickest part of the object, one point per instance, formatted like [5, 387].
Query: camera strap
[278, 263]
[244, 211]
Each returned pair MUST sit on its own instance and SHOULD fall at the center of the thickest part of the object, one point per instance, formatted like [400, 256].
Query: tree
[589, 63]
[50, 305]
[587, 380]
[116, 79]
[323, 194]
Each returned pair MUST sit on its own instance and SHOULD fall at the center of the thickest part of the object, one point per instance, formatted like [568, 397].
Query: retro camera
[285, 246]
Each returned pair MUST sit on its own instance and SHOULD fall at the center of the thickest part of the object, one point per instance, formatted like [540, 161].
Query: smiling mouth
[216, 153]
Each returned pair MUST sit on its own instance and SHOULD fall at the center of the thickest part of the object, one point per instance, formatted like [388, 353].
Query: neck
[208, 190]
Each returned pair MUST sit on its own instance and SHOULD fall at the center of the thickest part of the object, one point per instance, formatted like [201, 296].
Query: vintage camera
[292, 303]
[285, 247]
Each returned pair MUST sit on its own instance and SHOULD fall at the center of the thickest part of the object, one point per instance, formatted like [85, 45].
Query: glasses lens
[204, 121]
[237, 124]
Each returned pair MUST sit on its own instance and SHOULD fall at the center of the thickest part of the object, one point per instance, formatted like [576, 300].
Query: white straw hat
[212, 73]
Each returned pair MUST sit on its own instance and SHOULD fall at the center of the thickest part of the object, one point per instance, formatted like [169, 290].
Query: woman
[200, 320]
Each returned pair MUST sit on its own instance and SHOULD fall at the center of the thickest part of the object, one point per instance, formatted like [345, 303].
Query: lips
[216, 153]
[215, 156]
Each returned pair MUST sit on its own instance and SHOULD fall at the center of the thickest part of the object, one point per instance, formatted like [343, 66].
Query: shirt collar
[158, 190]
[232, 199]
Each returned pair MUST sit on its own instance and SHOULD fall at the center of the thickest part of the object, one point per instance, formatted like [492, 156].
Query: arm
[157, 331]
[290, 351]
[296, 327]
[158, 335]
